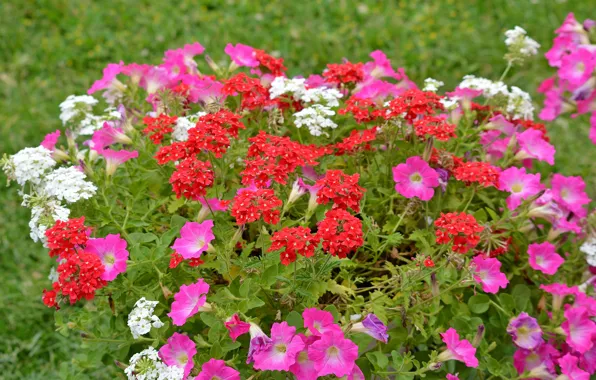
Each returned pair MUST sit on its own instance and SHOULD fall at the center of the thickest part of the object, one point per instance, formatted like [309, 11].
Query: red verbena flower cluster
[157, 127]
[249, 205]
[340, 233]
[191, 178]
[460, 229]
[356, 142]
[344, 73]
[176, 259]
[434, 126]
[361, 109]
[275, 158]
[254, 95]
[413, 103]
[64, 237]
[274, 65]
[341, 189]
[479, 172]
[294, 240]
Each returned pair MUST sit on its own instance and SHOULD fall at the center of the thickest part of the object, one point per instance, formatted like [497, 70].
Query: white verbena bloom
[76, 106]
[44, 216]
[147, 365]
[519, 43]
[141, 318]
[329, 96]
[520, 105]
[184, 124]
[315, 118]
[282, 85]
[431, 84]
[53, 276]
[589, 249]
[92, 123]
[488, 87]
[68, 184]
[449, 103]
[29, 165]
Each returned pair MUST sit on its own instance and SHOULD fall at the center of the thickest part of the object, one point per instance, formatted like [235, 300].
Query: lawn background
[50, 49]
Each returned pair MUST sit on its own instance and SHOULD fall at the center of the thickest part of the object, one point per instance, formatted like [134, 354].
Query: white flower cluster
[77, 113]
[297, 88]
[75, 107]
[29, 165]
[519, 43]
[68, 184]
[141, 318]
[315, 118]
[589, 249]
[44, 214]
[517, 103]
[431, 84]
[328, 96]
[184, 124]
[146, 365]
[92, 123]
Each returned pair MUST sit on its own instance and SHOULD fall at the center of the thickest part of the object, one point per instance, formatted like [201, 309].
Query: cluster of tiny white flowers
[43, 215]
[75, 107]
[520, 105]
[141, 318]
[449, 103]
[315, 119]
[431, 84]
[146, 365]
[184, 124]
[29, 165]
[589, 249]
[297, 88]
[283, 85]
[488, 87]
[328, 96]
[92, 123]
[68, 184]
[519, 43]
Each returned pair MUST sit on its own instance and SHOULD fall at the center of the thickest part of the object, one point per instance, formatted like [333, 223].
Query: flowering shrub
[244, 224]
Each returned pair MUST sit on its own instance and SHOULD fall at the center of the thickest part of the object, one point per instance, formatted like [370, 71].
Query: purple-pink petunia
[194, 239]
[112, 252]
[188, 301]
[487, 272]
[525, 331]
[569, 368]
[236, 326]
[415, 178]
[179, 352]
[579, 328]
[458, 349]
[543, 257]
[520, 184]
[533, 145]
[281, 354]
[372, 325]
[333, 354]
[217, 369]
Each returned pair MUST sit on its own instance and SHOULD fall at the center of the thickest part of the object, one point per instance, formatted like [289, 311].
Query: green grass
[50, 49]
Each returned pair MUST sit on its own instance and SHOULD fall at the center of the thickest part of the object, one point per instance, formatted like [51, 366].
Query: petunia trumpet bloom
[333, 354]
[570, 369]
[525, 331]
[570, 193]
[533, 145]
[318, 321]
[281, 354]
[217, 369]
[179, 352]
[194, 240]
[115, 158]
[304, 368]
[242, 55]
[543, 257]
[579, 328]
[372, 326]
[520, 184]
[457, 349]
[236, 326]
[486, 271]
[112, 252]
[259, 342]
[188, 301]
[415, 178]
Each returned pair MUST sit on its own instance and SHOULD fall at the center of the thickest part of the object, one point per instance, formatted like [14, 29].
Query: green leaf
[378, 359]
[507, 302]
[479, 303]
[140, 238]
[210, 319]
[521, 294]
[333, 310]
[295, 319]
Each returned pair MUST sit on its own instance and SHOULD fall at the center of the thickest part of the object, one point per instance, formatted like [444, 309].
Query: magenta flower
[242, 55]
[415, 178]
[115, 158]
[579, 328]
[570, 369]
[154, 79]
[525, 331]
[377, 90]
[577, 67]
[194, 240]
[333, 354]
[543, 257]
[217, 369]
[135, 71]
[259, 342]
[188, 301]
[318, 321]
[107, 136]
[588, 360]
[109, 77]
[304, 368]
[520, 184]
[356, 374]
[532, 145]
[559, 291]
[372, 326]
[281, 354]
[452, 377]
[539, 360]
[464, 94]
[457, 349]
[553, 104]
[211, 206]
[236, 326]
[487, 272]
[380, 66]
[570, 193]
[204, 90]
[112, 252]
[179, 352]
[49, 142]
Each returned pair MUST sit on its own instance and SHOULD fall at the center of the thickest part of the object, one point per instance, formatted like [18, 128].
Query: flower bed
[244, 224]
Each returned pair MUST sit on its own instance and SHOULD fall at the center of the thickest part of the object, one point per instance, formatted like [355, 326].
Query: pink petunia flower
[457, 349]
[356, 374]
[539, 360]
[525, 331]
[107, 136]
[281, 354]
[532, 145]
[188, 301]
[579, 328]
[318, 321]
[304, 368]
[236, 326]
[500, 123]
[380, 66]
[194, 240]
[115, 158]
[377, 90]
[333, 354]
[522, 185]
[112, 252]
[135, 71]
[577, 67]
[209, 206]
[109, 78]
[154, 79]
[415, 178]
[452, 377]
[179, 352]
[559, 291]
[543, 257]
[553, 104]
[588, 360]
[372, 325]
[570, 192]
[570, 369]
[259, 342]
[486, 271]
[217, 369]
[49, 142]
[242, 55]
